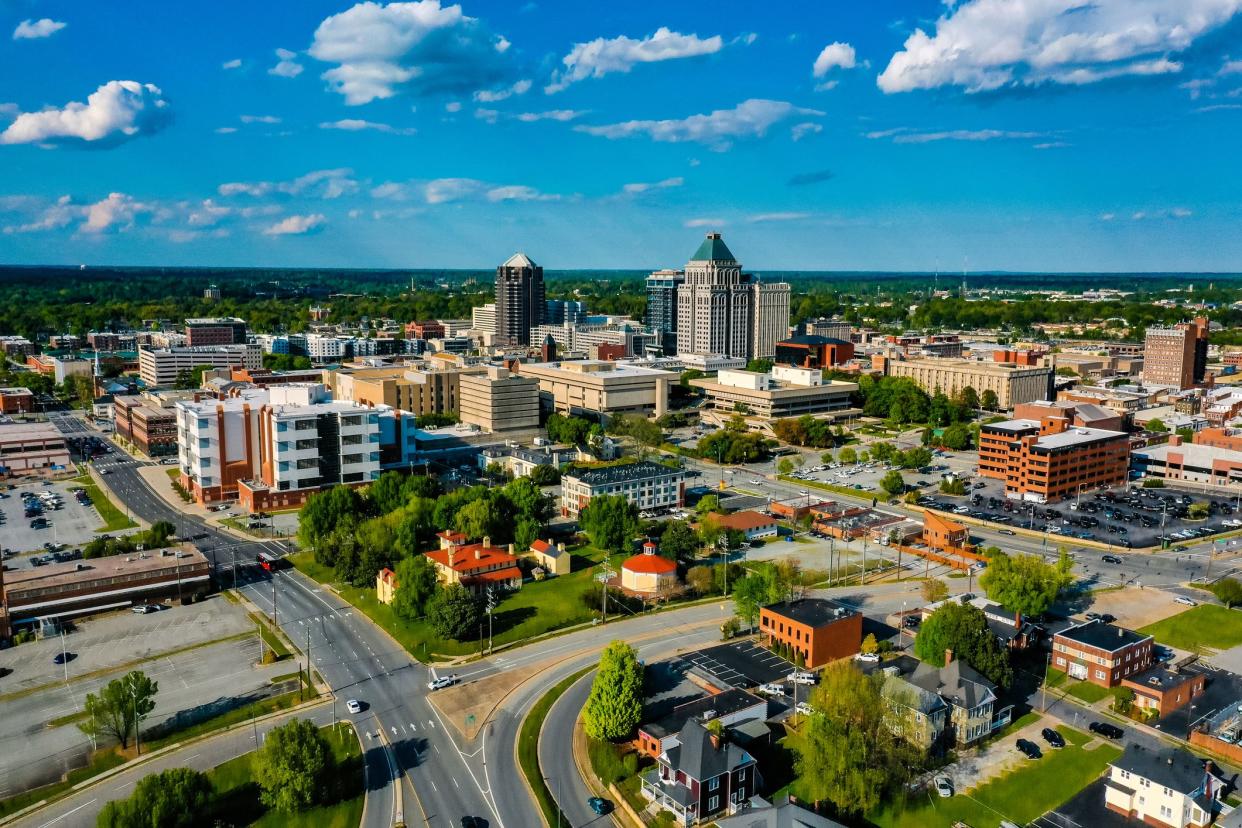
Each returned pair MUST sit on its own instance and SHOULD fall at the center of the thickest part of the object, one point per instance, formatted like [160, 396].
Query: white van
[802, 677]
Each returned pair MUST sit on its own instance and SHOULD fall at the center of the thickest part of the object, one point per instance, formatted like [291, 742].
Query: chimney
[560, 547]
[478, 553]
[487, 540]
[1121, 633]
[452, 554]
[948, 656]
[1175, 439]
[510, 549]
[716, 742]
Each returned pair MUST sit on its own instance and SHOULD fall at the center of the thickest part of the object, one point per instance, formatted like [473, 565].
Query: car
[353, 706]
[441, 682]
[473, 822]
[61, 658]
[1092, 616]
[599, 805]
[804, 709]
[1007, 532]
[1107, 617]
[1028, 749]
[772, 688]
[1108, 731]
[911, 621]
[802, 677]
[141, 609]
[1053, 738]
[1110, 559]
[1182, 599]
[869, 658]
[803, 493]
[944, 786]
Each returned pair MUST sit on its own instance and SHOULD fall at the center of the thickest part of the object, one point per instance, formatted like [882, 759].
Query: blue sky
[905, 135]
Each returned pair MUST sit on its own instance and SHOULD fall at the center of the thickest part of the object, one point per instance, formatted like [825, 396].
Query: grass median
[528, 748]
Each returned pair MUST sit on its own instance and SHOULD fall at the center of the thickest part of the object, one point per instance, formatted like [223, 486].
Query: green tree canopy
[893, 483]
[120, 707]
[569, 430]
[454, 612]
[1228, 591]
[293, 766]
[610, 521]
[963, 629]
[1026, 584]
[615, 705]
[679, 540]
[175, 798]
[416, 584]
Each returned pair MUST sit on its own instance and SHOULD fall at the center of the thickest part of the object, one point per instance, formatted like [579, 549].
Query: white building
[1169, 787]
[483, 318]
[769, 318]
[646, 484]
[161, 366]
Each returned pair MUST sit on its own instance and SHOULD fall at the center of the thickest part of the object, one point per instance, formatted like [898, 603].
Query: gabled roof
[698, 758]
[957, 683]
[941, 522]
[713, 249]
[1168, 767]
[519, 260]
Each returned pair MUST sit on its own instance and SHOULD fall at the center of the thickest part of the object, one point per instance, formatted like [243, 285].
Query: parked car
[1053, 738]
[441, 682]
[1108, 731]
[868, 658]
[1110, 559]
[1008, 532]
[911, 621]
[353, 706]
[802, 677]
[772, 688]
[804, 709]
[944, 787]
[599, 805]
[1029, 749]
[1182, 599]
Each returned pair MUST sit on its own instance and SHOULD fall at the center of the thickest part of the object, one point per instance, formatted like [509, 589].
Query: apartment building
[1101, 653]
[1177, 356]
[1048, 460]
[646, 484]
[600, 388]
[1012, 384]
[220, 330]
[17, 346]
[817, 630]
[161, 366]
[151, 428]
[16, 401]
[482, 319]
[434, 391]
[1168, 787]
[499, 401]
[31, 447]
[783, 392]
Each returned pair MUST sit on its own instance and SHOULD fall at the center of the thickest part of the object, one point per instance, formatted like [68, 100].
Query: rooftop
[1192, 454]
[1102, 636]
[28, 431]
[721, 704]
[811, 339]
[473, 558]
[181, 557]
[1169, 767]
[642, 470]
[744, 521]
[713, 249]
[519, 260]
[814, 612]
[1160, 679]
[649, 564]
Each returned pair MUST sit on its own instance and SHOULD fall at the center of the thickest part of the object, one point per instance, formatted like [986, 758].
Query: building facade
[31, 447]
[1046, 461]
[1176, 356]
[1012, 384]
[476, 566]
[160, 367]
[1165, 788]
[1101, 653]
[222, 330]
[520, 299]
[813, 351]
[151, 428]
[646, 484]
[769, 318]
[818, 630]
[16, 400]
[499, 401]
[782, 392]
[600, 388]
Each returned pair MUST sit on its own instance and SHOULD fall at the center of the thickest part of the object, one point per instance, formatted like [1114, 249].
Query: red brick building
[424, 330]
[941, 533]
[152, 430]
[1101, 653]
[818, 630]
[1165, 690]
[16, 401]
[1047, 460]
[811, 351]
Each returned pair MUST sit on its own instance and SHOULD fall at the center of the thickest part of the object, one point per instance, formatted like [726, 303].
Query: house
[551, 557]
[476, 566]
[1101, 653]
[702, 776]
[385, 585]
[970, 697]
[1164, 689]
[730, 707]
[647, 573]
[916, 714]
[762, 814]
[816, 629]
[1166, 787]
[943, 534]
[751, 524]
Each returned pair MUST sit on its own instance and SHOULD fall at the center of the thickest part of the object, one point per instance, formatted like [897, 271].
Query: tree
[679, 540]
[701, 579]
[963, 630]
[968, 397]
[120, 707]
[545, 475]
[479, 519]
[893, 483]
[953, 486]
[1157, 425]
[1228, 591]
[786, 466]
[934, 591]
[526, 532]
[848, 455]
[175, 798]
[615, 705]
[416, 584]
[988, 400]
[1025, 584]
[914, 458]
[826, 458]
[765, 583]
[293, 766]
[1198, 510]
[956, 437]
[759, 366]
[708, 504]
[869, 644]
[454, 612]
[610, 521]
[847, 754]
[569, 430]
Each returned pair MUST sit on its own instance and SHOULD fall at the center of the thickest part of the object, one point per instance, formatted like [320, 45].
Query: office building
[813, 351]
[563, 312]
[1177, 460]
[482, 319]
[769, 316]
[17, 346]
[600, 388]
[431, 391]
[151, 428]
[65, 367]
[1079, 415]
[661, 316]
[424, 330]
[829, 328]
[625, 340]
[211, 293]
[16, 400]
[31, 447]
[646, 484]
[1101, 653]
[161, 366]
[1048, 460]
[1177, 356]
[817, 629]
[782, 392]
[1012, 384]
[499, 402]
[222, 330]
[1166, 787]
[520, 301]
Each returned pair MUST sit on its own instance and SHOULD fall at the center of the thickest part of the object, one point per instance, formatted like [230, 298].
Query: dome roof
[650, 564]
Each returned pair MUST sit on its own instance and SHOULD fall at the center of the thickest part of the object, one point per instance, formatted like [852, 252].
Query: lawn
[105, 760]
[1020, 796]
[114, 519]
[1206, 626]
[538, 607]
[1081, 690]
[237, 792]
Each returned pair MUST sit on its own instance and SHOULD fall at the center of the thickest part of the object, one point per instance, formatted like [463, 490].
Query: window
[713, 784]
[713, 804]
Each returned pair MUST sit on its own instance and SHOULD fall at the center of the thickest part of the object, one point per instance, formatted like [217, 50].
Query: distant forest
[38, 301]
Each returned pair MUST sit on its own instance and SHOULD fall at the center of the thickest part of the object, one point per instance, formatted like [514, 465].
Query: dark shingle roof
[722, 704]
[1102, 636]
[1168, 767]
[814, 612]
[699, 759]
[642, 470]
[713, 249]
[957, 682]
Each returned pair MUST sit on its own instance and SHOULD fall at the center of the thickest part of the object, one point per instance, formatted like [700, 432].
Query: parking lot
[741, 664]
[1126, 517]
[73, 523]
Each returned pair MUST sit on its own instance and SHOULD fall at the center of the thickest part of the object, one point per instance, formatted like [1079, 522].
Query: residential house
[703, 776]
[751, 524]
[970, 696]
[1101, 653]
[1165, 689]
[916, 714]
[385, 585]
[1168, 787]
[551, 557]
[762, 814]
[476, 566]
[730, 707]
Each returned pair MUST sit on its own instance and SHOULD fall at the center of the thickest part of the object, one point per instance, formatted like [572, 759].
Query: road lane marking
[68, 814]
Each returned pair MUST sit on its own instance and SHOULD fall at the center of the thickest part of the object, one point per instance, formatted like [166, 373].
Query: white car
[1182, 599]
[869, 658]
[441, 682]
[944, 787]
[804, 709]
[772, 688]
[803, 493]
[353, 706]
[802, 677]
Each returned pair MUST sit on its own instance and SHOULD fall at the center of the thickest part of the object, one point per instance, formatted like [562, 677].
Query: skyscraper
[770, 318]
[1176, 356]
[519, 299]
[661, 314]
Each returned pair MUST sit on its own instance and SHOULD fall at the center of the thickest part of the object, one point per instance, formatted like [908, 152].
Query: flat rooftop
[138, 563]
[1102, 636]
[14, 432]
[814, 612]
[596, 367]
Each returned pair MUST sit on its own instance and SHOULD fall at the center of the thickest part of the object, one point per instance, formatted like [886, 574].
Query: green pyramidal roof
[712, 249]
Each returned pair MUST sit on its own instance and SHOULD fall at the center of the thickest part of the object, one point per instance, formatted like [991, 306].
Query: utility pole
[273, 599]
[491, 605]
[234, 551]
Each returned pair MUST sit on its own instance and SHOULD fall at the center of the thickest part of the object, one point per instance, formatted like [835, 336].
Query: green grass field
[1020, 796]
[237, 792]
[114, 519]
[538, 607]
[1206, 626]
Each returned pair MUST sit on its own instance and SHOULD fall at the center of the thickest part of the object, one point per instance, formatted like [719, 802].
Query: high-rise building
[483, 318]
[769, 318]
[662, 307]
[1176, 356]
[223, 330]
[520, 302]
[563, 312]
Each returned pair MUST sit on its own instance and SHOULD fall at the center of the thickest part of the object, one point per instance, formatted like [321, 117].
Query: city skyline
[879, 137]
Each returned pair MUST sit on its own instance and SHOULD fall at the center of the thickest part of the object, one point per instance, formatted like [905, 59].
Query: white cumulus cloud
[235, 63]
[322, 183]
[296, 225]
[834, 56]
[260, 119]
[359, 125]
[492, 95]
[718, 129]
[420, 48]
[114, 112]
[645, 186]
[518, 192]
[703, 222]
[36, 29]
[984, 45]
[287, 66]
[116, 212]
[603, 56]
[804, 129]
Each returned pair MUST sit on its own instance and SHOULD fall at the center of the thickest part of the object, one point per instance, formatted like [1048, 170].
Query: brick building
[16, 401]
[1165, 689]
[223, 330]
[811, 351]
[476, 566]
[941, 533]
[1101, 653]
[817, 629]
[1047, 460]
[152, 429]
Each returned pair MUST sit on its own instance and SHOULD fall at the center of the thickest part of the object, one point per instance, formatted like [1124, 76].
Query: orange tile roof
[542, 546]
[650, 565]
[744, 521]
[450, 535]
[465, 561]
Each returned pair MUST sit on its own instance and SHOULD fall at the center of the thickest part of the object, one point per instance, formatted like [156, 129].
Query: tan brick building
[1011, 383]
[1047, 460]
